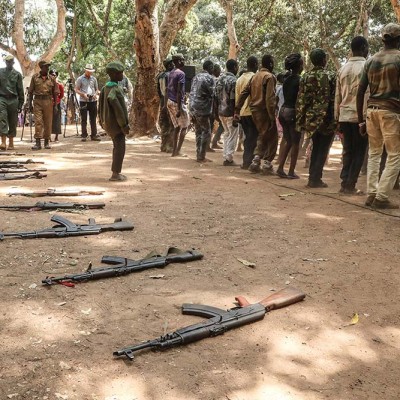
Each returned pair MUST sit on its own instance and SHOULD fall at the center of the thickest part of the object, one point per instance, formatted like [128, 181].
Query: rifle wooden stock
[280, 299]
[55, 192]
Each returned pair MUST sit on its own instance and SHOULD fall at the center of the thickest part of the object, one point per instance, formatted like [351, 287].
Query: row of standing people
[316, 104]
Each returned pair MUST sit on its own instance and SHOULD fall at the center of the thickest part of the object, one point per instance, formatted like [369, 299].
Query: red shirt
[61, 92]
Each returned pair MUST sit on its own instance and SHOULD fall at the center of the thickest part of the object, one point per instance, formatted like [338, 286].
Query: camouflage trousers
[267, 141]
[167, 130]
[202, 128]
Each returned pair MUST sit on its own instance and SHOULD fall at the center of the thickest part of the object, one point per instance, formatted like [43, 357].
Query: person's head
[179, 60]
[168, 64]
[318, 57]
[9, 60]
[44, 67]
[208, 66]
[359, 47]
[391, 36]
[54, 73]
[268, 62]
[252, 64]
[115, 71]
[294, 63]
[89, 70]
[281, 77]
[216, 70]
[232, 66]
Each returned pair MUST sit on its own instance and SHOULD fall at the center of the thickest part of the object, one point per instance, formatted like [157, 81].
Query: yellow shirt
[241, 83]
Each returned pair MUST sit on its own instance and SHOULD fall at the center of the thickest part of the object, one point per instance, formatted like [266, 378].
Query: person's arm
[300, 107]
[56, 92]
[270, 97]
[30, 93]
[181, 93]
[362, 88]
[100, 108]
[61, 88]
[338, 98]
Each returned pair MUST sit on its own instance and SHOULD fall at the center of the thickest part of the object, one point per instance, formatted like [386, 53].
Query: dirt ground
[57, 342]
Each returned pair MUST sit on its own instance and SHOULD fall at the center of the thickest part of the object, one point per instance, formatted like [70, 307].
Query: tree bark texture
[173, 21]
[227, 5]
[145, 97]
[396, 8]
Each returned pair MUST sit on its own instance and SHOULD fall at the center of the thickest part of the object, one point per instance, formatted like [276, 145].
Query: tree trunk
[174, 20]
[396, 8]
[145, 98]
[227, 5]
[19, 50]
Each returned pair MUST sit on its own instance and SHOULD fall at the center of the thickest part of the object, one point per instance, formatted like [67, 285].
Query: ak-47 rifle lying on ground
[13, 177]
[218, 322]
[65, 228]
[15, 153]
[14, 163]
[55, 192]
[52, 205]
[124, 266]
[18, 170]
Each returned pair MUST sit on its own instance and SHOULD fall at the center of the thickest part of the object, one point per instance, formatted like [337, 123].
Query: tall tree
[396, 8]
[17, 44]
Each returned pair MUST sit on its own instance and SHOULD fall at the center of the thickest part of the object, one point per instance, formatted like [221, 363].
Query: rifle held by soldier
[51, 205]
[124, 266]
[219, 321]
[66, 228]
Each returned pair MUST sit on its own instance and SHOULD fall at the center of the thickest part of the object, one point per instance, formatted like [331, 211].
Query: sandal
[281, 174]
[119, 178]
[292, 176]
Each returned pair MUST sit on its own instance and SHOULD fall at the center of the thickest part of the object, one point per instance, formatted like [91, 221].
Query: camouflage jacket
[315, 102]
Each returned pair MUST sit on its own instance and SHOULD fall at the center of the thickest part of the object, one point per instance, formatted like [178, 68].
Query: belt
[8, 96]
[42, 96]
[375, 108]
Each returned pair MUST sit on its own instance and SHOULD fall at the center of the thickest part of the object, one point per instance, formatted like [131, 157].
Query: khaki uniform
[11, 100]
[43, 90]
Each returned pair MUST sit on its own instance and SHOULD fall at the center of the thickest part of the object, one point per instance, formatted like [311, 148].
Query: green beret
[115, 66]
[317, 55]
[8, 58]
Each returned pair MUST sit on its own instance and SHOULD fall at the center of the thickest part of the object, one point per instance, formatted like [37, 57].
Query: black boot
[47, 144]
[37, 145]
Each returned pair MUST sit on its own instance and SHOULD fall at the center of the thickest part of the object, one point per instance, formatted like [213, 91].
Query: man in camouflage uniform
[164, 120]
[11, 101]
[200, 108]
[225, 108]
[315, 114]
[262, 102]
[43, 92]
[382, 76]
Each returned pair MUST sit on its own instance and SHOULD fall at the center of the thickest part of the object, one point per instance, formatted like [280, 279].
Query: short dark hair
[267, 60]
[252, 62]
[293, 61]
[358, 43]
[208, 65]
[231, 64]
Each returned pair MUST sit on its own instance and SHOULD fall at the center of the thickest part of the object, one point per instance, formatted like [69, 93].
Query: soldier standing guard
[11, 101]
[43, 91]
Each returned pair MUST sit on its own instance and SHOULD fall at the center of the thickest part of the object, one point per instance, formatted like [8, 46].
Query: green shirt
[11, 85]
[113, 114]
[315, 102]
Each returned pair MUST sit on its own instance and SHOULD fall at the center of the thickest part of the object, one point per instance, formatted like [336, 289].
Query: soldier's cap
[89, 67]
[178, 56]
[317, 55]
[115, 66]
[42, 63]
[390, 31]
[8, 58]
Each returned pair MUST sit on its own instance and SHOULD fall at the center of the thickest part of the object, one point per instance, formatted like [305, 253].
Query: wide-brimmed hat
[89, 67]
[8, 58]
[42, 63]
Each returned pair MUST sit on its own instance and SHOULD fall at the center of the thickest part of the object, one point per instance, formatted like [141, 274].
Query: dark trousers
[354, 147]
[56, 129]
[167, 130]
[91, 108]
[118, 153]
[202, 129]
[321, 144]
[250, 139]
[217, 136]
